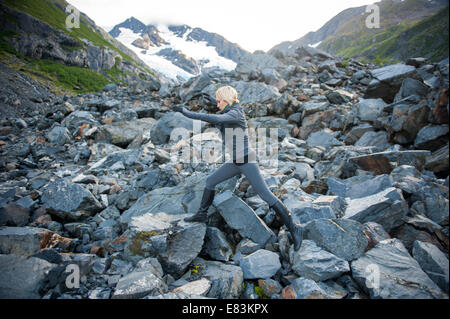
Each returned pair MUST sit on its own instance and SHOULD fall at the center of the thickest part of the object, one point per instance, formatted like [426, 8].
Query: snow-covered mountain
[178, 51]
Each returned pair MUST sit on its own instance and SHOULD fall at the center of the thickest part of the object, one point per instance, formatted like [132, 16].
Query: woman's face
[220, 103]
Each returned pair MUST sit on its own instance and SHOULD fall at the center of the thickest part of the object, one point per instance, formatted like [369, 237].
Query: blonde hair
[228, 94]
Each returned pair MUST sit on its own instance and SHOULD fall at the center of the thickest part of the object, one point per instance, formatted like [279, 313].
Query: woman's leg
[226, 171]
[253, 174]
[223, 173]
[251, 171]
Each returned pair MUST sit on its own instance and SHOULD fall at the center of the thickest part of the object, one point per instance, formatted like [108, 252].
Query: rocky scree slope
[97, 181]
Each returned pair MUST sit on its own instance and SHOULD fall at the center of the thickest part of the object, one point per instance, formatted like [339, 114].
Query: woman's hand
[178, 108]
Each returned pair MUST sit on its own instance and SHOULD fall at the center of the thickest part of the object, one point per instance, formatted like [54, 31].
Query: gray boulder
[174, 246]
[380, 163]
[123, 158]
[197, 288]
[22, 277]
[15, 214]
[68, 200]
[260, 264]
[378, 139]
[256, 62]
[304, 173]
[59, 135]
[308, 51]
[100, 150]
[388, 271]
[336, 203]
[438, 161]
[323, 138]
[176, 295]
[305, 288]
[303, 212]
[216, 245]
[341, 237]
[435, 204]
[411, 87]
[388, 80]
[314, 107]
[75, 119]
[433, 262]
[239, 216]
[332, 289]
[182, 247]
[139, 284]
[432, 137]
[273, 126]
[123, 133]
[160, 131]
[24, 241]
[369, 187]
[356, 132]
[176, 202]
[406, 121]
[312, 262]
[226, 280]
[272, 77]
[100, 293]
[386, 208]
[370, 109]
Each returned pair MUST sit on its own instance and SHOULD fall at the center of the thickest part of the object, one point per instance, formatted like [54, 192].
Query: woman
[243, 161]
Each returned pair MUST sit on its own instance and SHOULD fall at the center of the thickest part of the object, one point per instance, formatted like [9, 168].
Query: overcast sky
[253, 24]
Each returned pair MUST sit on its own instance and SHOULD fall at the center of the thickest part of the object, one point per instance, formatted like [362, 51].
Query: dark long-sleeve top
[232, 117]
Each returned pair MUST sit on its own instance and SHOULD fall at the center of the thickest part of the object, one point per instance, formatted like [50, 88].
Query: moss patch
[139, 239]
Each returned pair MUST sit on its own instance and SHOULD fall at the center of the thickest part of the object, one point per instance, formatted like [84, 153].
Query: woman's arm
[229, 117]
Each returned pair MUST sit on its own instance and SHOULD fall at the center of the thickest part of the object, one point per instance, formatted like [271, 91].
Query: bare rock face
[139, 284]
[26, 241]
[315, 263]
[382, 275]
[387, 208]
[388, 80]
[22, 277]
[69, 201]
[241, 217]
[260, 264]
[341, 237]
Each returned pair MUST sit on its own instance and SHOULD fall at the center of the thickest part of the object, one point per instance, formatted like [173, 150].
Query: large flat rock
[22, 277]
[386, 208]
[239, 216]
[388, 271]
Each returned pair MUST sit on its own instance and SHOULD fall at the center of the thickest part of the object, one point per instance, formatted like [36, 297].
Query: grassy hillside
[66, 78]
[404, 33]
[427, 38]
[53, 13]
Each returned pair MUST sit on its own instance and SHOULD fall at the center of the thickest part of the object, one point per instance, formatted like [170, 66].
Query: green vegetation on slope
[397, 39]
[72, 78]
[53, 13]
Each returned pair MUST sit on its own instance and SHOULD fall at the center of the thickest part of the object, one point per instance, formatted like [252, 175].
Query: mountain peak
[131, 23]
[177, 49]
[407, 28]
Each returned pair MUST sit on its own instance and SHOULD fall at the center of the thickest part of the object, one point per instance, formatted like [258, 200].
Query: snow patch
[315, 45]
[198, 50]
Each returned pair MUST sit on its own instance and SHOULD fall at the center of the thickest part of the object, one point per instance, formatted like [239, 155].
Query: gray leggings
[251, 171]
